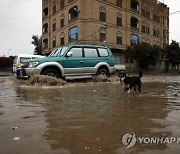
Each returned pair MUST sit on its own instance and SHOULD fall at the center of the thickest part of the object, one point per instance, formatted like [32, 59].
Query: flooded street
[88, 118]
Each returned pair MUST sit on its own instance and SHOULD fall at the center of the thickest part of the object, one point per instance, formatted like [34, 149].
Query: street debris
[14, 127]
[86, 148]
[16, 138]
[45, 81]
[101, 78]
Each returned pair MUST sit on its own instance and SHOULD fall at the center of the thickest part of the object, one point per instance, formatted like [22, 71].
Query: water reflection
[94, 118]
[101, 112]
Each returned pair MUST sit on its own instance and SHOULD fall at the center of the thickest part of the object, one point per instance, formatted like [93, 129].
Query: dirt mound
[101, 78]
[44, 81]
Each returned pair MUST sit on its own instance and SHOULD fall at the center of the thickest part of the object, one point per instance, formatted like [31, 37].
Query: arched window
[45, 43]
[54, 42]
[102, 14]
[154, 42]
[119, 38]
[73, 14]
[143, 40]
[119, 19]
[45, 28]
[134, 39]
[147, 41]
[102, 35]
[134, 22]
[73, 34]
[156, 32]
[62, 20]
[62, 38]
[45, 12]
[135, 5]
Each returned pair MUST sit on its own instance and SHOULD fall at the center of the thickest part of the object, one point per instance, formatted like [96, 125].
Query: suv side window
[77, 52]
[103, 52]
[90, 52]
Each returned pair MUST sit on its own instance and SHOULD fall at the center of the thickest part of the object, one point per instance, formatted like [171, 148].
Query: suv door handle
[81, 61]
[98, 61]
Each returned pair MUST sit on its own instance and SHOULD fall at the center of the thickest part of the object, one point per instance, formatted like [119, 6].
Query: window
[61, 4]
[45, 43]
[143, 40]
[73, 34]
[102, 35]
[90, 52]
[156, 18]
[54, 25]
[145, 29]
[119, 38]
[119, 3]
[134, 39]
[134, 22]
[54, 42]
[69, 1]
[156, 33]
[77, 52]
[62, 39]
[45, 12]
[102, 14]
[62, 20]
[119, 19]
[54, 7]
[134, 5]
[145, 13]
[103, 52]
[147, 41]
[45, 28]
[73, 14]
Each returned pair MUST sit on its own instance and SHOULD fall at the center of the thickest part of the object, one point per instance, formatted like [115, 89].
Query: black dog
[131, 82]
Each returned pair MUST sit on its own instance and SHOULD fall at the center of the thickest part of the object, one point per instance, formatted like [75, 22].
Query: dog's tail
[140, 74]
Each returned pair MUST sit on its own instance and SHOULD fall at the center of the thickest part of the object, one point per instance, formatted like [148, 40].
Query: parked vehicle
[74, 61]
[20, 60]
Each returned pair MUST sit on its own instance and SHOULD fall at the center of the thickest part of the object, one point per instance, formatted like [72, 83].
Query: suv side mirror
[69, 54]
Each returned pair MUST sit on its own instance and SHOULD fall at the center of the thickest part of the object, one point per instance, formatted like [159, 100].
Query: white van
[19, 59]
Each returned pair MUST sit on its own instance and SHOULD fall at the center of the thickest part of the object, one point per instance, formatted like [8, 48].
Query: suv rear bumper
[112, 70]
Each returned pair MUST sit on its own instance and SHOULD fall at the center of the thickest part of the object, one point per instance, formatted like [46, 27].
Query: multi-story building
[114, 23]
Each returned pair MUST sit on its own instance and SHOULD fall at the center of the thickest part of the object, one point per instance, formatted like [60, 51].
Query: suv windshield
[58, 52]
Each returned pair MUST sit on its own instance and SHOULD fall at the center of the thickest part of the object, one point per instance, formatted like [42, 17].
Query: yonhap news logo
[129, 140]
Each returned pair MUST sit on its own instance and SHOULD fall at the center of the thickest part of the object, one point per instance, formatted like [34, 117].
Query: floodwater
[90, 118]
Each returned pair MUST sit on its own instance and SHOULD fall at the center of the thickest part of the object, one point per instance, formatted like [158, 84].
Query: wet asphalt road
[90, 118]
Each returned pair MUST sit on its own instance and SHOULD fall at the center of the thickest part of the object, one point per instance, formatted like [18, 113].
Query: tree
[37, 42]
[172, 54]
[144, 54]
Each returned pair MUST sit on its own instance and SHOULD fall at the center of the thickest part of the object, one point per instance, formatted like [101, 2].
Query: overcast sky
[20, 19]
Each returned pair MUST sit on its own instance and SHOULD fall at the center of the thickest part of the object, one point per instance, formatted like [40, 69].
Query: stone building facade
[114, 23]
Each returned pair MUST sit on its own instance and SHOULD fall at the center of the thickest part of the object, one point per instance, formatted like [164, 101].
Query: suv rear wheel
[52, 72]
[103, 71]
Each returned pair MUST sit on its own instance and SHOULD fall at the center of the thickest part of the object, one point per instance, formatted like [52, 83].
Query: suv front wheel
[103, 71]
[51, 72]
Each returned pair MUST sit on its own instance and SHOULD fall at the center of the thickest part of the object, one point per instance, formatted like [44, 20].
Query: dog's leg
[135, 89]
[139, 88]
[121, 81]
[129, 91]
